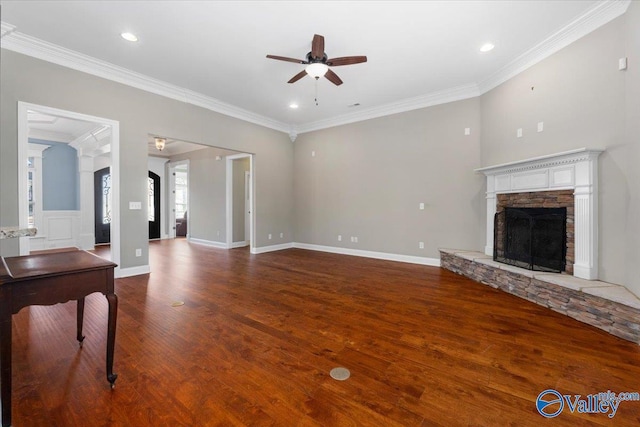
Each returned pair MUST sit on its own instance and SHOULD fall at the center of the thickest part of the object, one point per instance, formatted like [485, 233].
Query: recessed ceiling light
[129, 37]
[486, 47]
[293, 105]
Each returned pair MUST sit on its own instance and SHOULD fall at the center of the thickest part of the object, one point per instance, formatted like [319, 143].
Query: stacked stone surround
[609, 307]
[544, 199]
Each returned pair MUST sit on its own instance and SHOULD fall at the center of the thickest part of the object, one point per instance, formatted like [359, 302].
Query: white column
[491, 212]
[586, 219]
[87, 238]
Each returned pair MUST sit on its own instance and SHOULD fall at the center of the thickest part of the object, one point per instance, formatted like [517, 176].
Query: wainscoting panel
[60, 229]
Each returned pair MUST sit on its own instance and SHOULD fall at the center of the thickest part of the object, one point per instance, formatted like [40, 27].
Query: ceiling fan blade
[317, 47]
[298, 76]
[284, 58]
[333, 78]
[346, 60]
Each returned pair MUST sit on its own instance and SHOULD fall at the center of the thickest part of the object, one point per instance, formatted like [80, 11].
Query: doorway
[103, 139]
[179, 198]
[240, 196]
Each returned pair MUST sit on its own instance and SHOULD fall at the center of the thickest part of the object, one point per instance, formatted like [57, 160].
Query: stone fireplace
[564, 180]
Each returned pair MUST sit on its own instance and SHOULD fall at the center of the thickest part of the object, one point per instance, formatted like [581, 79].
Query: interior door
[102, 200]
[154, 205]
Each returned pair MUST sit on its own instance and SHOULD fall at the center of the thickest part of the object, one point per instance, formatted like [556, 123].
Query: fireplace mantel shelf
[550, 160]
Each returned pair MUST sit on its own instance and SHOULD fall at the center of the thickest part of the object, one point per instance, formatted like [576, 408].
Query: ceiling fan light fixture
[160, 143]
[317, 69]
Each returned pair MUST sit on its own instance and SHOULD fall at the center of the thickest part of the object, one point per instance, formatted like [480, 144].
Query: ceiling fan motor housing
[311, 59]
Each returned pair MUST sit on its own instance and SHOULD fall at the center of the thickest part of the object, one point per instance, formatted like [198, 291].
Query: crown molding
[600, 14]
[31, 46]
[594, 18]
[435, 98]
[6, 29]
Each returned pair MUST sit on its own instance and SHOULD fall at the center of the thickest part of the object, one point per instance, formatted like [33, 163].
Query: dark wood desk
[49, 279]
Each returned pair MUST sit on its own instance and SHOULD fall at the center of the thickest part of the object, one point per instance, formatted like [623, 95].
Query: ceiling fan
[317, 62]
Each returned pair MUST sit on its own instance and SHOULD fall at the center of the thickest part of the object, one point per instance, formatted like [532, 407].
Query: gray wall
[632, 150]
[60, 180]
[140, 113]
[240, 166]
[207, 194]
[367, 180]
[584, 101]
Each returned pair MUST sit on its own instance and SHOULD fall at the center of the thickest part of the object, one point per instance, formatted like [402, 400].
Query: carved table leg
[80, 337]
[111, 337]
[5, 356]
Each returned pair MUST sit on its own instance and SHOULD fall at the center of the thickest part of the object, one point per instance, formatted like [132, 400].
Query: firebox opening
[531, 238]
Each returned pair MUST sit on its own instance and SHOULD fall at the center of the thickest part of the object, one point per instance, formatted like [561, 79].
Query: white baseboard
[264, 249]
[435, 262]
[214, 244]
[241, 244]
[132, 271]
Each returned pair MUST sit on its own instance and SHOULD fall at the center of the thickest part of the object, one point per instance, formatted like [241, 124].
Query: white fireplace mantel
[570, 170]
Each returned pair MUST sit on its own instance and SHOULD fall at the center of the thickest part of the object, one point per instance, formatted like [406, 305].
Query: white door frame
[171, 207]
[23, 150]
[229, 200]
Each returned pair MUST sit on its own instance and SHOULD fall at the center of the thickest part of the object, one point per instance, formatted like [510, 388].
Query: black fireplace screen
[532, 238]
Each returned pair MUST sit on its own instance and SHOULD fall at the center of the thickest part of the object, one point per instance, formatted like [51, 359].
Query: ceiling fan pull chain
[316, 99]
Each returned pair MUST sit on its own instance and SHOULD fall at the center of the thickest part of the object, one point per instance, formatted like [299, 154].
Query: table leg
[111, 337]
[5, 359]
[80, 337]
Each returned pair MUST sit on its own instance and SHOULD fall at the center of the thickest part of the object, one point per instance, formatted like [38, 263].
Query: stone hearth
[609, 307]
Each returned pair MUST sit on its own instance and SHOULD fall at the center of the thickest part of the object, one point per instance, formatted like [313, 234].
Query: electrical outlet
[270, 236]
[353, 239]
[421, 206]
[519, 133]
[339, 237]
[540, 126]
[281, 235]
[467, 131]
[138, 252]
[313, 154]
[421, 245]
[135, 206]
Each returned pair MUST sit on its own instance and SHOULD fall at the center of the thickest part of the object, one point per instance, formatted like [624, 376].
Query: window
[151, 201]
[182, 186]
[30, 183]
[106, 199]
[34, 184]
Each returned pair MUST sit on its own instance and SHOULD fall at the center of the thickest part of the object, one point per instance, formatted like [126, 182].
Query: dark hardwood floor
[257, 335]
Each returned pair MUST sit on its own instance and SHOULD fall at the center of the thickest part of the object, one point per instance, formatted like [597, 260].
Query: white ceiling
[419, 52]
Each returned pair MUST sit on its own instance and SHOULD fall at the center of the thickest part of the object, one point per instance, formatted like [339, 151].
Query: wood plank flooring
[257, 335]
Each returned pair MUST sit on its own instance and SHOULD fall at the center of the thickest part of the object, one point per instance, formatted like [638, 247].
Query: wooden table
[49, 279]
